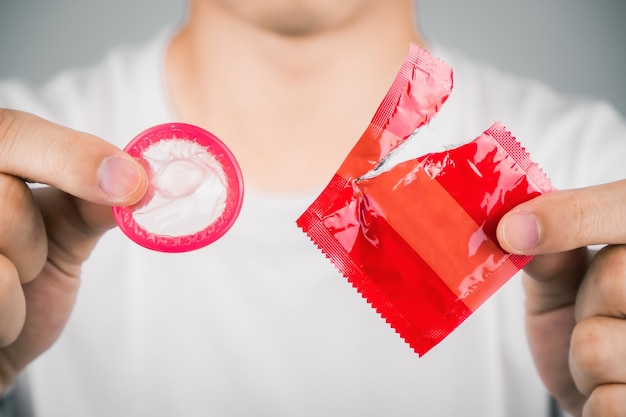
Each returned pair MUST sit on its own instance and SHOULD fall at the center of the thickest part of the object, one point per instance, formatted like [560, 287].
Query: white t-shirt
[260, 323]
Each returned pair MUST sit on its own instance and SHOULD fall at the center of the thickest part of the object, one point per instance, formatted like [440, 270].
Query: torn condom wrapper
[418, 240]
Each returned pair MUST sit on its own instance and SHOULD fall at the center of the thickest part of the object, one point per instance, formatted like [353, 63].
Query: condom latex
[195, 189]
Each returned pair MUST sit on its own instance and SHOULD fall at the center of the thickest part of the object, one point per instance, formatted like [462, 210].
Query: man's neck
[290, 107]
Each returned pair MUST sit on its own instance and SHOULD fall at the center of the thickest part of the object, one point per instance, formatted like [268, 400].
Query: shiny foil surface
[418, 240]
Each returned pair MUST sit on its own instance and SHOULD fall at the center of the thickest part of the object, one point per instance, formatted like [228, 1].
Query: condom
[195, 189]
[418, 239]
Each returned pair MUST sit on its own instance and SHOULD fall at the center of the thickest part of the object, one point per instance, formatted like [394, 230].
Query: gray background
[576, 46]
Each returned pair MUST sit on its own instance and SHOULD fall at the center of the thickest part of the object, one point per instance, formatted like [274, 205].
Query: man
[259, 323]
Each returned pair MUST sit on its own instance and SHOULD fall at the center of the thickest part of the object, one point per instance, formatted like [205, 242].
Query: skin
[312, 59]
[47, 234]
[314, 77]
[575, 298]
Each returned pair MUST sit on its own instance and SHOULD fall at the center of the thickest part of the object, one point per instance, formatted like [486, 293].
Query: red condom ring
[195, 189]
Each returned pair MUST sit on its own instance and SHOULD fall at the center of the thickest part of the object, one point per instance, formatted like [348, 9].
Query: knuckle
[607, 277]
[589, 350]
[12, 124]
[14, 196]
[8, 122]
[593, 219]
[614, 257]
[11, 306]
[587, 219]
[22, 232]
[606, 401]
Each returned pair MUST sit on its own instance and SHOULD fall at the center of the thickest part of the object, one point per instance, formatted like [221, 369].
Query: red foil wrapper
[418, 240]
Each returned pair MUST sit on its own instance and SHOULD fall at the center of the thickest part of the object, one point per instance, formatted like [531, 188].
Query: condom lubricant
[195, 189]
[418, 239]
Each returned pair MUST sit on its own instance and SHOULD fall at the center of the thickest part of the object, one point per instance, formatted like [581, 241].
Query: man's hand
[47, 233]
[575, 298]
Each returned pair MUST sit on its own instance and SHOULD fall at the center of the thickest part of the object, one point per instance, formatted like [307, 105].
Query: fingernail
[119, 177]
[521, 231]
